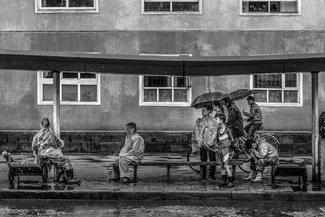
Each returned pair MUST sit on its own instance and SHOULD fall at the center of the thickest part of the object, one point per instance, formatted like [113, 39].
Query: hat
[250, 98]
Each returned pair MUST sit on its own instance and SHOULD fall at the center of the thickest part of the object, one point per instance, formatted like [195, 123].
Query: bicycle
[241, 145]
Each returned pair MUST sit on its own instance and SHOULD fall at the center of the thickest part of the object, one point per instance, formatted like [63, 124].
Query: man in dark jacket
[254, 117]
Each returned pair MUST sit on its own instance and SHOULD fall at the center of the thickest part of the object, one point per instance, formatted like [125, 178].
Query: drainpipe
[315, 129]
[56, 102]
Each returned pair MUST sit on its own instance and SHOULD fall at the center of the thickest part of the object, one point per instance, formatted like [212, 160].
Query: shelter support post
[315, 129]
[322, 160]
[56, 102]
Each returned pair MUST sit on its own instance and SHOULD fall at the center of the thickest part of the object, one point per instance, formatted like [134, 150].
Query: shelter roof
[160, 65]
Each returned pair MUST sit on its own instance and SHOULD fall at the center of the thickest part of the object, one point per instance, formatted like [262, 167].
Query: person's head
[254, 145]
[45, 123]
[216, 105]
[250, 100]
[260, 140]
[130, 128]
[227, 101]
[220, 118]
[206, 110]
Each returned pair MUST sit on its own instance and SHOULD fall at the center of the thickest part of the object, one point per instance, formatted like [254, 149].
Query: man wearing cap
[254, 117]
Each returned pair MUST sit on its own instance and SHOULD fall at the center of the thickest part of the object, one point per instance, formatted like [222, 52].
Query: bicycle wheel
[272, 140]
[194, 157]
[245, 167]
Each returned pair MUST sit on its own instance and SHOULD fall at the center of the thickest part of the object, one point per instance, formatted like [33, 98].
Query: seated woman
[47, 144]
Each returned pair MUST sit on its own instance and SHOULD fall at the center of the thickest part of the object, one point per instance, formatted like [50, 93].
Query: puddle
[35, 185]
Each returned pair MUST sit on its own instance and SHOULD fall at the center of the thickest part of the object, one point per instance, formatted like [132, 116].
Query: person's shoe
[114, 180]
[223, 184]
[258, 178]
[224, 178]
[251, 176]
[212, 177]
[231, 182]
[62, 179]
[125, 180]
[230, 185]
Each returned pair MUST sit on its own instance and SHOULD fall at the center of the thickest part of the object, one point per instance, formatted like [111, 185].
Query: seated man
[130, 154]
[262, 154]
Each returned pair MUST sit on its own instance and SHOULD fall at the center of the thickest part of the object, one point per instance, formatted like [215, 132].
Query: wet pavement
[93, 172]
[159, 208]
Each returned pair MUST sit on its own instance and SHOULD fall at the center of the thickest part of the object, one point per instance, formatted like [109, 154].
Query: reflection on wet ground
[94, 171]
[159, 208]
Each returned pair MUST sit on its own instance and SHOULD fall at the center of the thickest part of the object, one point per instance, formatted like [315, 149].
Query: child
[224, 138]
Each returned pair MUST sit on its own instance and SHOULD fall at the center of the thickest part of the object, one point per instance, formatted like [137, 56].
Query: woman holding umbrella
[204, 138]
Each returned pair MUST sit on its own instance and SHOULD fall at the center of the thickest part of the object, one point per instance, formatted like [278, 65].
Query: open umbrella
[206, 99]
[240, 94]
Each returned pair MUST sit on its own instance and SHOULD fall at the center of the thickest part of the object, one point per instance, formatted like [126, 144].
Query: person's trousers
[251, 128]
[237, 130]
[121, 167]
[204, 153]
[260, 164]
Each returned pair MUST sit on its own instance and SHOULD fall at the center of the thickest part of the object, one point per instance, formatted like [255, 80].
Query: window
[280, 7]
[278, 89]
[75, 88]
[165, 91]
[171, 6]
[66, 6]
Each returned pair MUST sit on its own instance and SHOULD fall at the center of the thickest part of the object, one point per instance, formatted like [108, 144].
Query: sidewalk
[93, 172]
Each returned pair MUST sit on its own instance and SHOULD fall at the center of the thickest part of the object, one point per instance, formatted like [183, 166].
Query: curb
[156, 195]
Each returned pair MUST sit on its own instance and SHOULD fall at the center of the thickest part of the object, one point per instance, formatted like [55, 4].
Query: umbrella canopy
[206, 99]
[240, 94]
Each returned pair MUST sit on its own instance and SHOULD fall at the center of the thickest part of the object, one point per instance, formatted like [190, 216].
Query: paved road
[79, 208]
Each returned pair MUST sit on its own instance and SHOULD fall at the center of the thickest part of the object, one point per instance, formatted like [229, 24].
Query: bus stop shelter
[178, 66]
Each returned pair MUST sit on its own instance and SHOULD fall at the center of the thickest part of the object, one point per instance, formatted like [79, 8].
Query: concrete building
[95, 108]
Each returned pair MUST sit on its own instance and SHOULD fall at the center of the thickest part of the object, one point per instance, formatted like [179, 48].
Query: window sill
[66, 11]
[167, 104]
[263, 104]
[69, 103]
[270, 14]
[173, 13]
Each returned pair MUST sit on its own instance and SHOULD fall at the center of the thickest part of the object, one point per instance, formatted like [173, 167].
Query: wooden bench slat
[233, 162]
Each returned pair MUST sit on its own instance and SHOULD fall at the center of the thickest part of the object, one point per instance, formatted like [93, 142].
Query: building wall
[19, 15]
[120, 94]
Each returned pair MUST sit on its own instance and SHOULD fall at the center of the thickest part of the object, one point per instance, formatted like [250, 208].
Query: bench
[234, 163]
[16, 168]
[290, 168]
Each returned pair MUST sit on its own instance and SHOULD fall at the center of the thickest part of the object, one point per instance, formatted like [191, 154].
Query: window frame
[172, 12]
[284, 104]
[241, 13]
[67, 81]
[160, 104]
[40, 9]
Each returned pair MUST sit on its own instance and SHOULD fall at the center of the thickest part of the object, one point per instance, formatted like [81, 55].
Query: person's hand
[247, 159]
